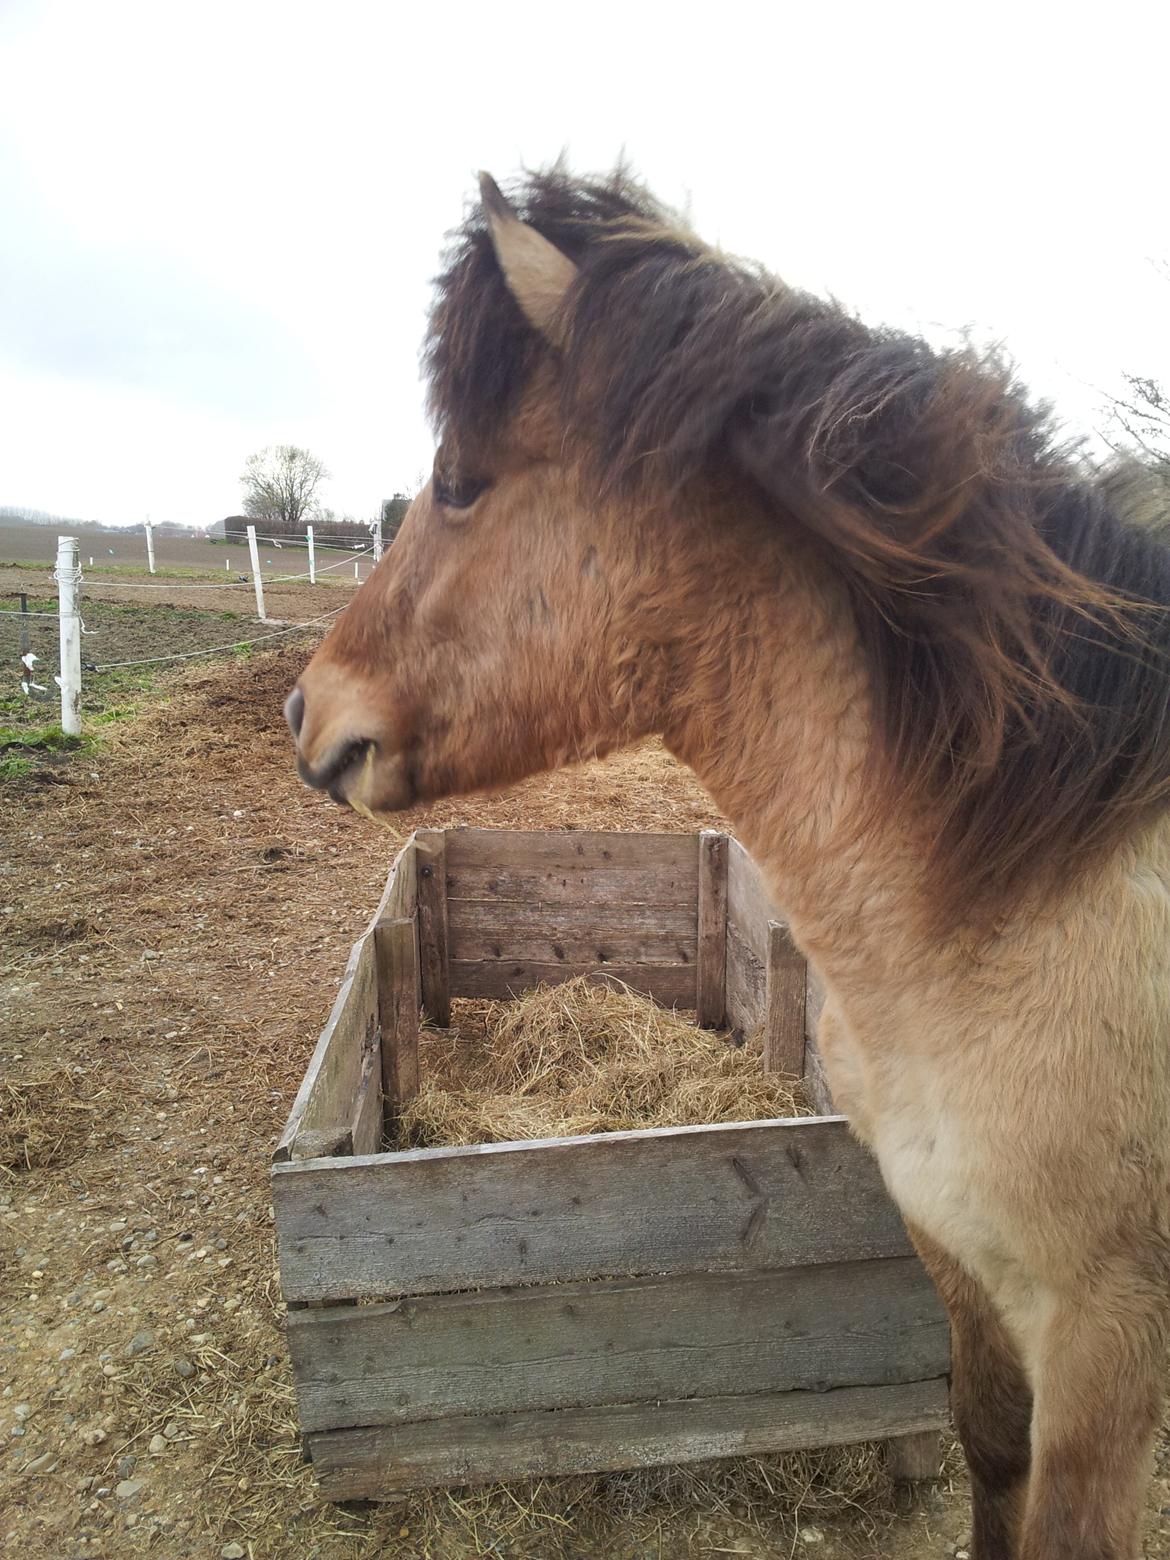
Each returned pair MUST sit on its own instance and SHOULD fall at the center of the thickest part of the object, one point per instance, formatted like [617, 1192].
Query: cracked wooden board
[813, 1329]
[381, 1460]
[665, 1200]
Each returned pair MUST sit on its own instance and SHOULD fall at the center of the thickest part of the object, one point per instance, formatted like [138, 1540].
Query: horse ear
[537, 273]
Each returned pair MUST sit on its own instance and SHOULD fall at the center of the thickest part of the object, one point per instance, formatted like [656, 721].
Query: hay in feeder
[587, 1056]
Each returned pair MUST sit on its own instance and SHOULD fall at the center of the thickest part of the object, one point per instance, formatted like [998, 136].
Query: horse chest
[932, 1154]
[927, 1161]
[924, 1150]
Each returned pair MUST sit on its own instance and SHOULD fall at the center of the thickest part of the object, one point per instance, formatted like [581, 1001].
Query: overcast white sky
[218, 223]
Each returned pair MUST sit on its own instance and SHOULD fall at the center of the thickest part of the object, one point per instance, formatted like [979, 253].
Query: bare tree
[280, 487]
[1138, 478]
[1142, 415]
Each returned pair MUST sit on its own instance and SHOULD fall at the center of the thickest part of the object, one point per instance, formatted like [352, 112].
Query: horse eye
[456, 492]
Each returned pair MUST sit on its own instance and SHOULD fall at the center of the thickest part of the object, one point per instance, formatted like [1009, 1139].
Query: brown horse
[922, 668]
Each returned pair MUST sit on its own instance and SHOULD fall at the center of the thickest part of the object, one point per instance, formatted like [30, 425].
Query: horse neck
[776, 721]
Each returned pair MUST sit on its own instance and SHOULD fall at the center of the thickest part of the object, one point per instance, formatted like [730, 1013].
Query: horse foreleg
[1099, 1363]
[991, 1404]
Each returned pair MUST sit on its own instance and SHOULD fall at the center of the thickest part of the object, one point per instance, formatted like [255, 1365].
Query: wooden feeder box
[515, 1310]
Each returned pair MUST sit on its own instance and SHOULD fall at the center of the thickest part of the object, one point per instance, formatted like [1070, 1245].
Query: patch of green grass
[21, 746]
[46, 739]
[14, 766]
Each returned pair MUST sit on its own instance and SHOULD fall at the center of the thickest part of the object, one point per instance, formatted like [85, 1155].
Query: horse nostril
[294, 711]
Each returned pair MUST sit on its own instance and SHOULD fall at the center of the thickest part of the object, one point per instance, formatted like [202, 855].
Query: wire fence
[71, 584]
[303, 541]
[240, 584]
[236, 644]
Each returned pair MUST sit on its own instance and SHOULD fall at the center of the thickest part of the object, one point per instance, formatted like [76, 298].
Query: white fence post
[312, 556]
[256, 579]
[68, 576]
[227, 563]
[376, 532]
[149, 545]
[355, 569]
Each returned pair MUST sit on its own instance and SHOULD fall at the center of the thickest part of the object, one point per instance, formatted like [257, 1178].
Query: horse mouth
[338, 772]
[358, 775]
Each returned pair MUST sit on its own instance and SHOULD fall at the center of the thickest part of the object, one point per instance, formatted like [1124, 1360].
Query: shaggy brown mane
[996, 593]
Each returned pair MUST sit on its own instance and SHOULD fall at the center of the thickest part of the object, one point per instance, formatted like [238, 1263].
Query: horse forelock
[1012, 624]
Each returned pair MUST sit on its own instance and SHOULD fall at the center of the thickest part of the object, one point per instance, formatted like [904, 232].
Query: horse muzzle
[336, 753]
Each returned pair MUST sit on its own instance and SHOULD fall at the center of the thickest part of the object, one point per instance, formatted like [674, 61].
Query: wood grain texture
[912, 1458]
[323, 1112]
[671, 887]
[573, 934]
[398, 1007]
[665, 1200]
[787, 975]
[749, 907]
[571, 851]
[747, 984]
[384, 1460]
[365, 1132]
[618, 1340]
[400, 896]
[816, 1083]
[711, 976]
[334, 1070]
[673, 985]
[434, 969]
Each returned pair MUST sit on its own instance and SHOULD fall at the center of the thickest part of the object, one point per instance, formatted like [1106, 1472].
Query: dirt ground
[176, 913]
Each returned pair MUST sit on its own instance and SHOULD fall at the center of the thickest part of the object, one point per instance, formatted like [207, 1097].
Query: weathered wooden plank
[671, 887]
[671, 984]
[333, 1068]
[711, 976]
[365, 1131]
[570, 851]
[665, 1200]
[323, 1110]
[618, 1340]
[384, 1460]
[434, 970]
[784, 1017]
[398, 1005]
[400, 896]
[816, 1083]
[747, 987]
[573, 934]
[912, 1458]
[749, 906]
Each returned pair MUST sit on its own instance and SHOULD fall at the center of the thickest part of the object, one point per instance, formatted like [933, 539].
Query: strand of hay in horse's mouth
[582, 1057]
[357, 799]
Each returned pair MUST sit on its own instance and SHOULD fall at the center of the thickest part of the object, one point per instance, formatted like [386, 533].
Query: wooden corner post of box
[911, 1459]
[711, 974]
[786, 978]
[434, 959]
[396, 954]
